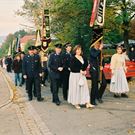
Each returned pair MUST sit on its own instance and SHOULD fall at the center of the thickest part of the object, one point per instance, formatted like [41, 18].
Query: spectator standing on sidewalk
[17, 68]
[119, 85]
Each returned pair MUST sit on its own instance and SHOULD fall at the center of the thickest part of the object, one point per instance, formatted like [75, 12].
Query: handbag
[113, 79]
[81, 80]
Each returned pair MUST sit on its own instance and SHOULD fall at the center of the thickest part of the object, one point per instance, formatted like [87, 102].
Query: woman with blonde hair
[78, 87]
[119, 83]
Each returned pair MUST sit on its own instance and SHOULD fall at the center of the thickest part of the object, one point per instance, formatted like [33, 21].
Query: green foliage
[5, 45]
[119, 14]
[70, 21]
[109, 51]
[69, 18]
[9, 40]
[20, 33]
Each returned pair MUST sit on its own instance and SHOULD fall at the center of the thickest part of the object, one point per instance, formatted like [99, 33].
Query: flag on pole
[101, 13]
[18, 47]
[38, 39]
[10, 50]
[98, 13]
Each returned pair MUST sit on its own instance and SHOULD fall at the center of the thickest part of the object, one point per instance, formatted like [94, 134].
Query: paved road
[114, 117]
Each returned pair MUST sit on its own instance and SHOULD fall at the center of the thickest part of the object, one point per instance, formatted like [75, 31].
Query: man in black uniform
[66, 58]
[95, 54]
[32, 73]
[55, 69]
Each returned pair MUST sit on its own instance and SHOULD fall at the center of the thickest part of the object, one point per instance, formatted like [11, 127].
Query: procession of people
[67, 69]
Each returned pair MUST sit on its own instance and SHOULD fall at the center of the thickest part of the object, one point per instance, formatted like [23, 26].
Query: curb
[11, 89]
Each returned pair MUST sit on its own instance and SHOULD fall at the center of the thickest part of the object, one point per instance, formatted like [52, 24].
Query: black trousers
[9, 68]
[65, 84]
[94, 84]
[33, 82]
[102, 87]
[45, 76]
[33, 88]
[55, 88]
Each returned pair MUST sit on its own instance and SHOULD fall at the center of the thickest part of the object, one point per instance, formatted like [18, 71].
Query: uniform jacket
[55, 61]
[31, 65]
[66, 59]
[94, 58]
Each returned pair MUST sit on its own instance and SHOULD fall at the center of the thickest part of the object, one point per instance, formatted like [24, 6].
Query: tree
[5, 46]
[132, 30]
[20, 33]
[124, 11]
[9, 42]
[69, 19]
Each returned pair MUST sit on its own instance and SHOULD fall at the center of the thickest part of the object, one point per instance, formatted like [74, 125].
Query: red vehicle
[107, 71]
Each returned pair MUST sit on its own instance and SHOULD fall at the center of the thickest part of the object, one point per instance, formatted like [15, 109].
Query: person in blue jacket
[55, 69]
[32, 72]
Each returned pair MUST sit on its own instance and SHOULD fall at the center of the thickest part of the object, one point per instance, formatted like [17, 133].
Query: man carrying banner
[96, 72]
[96, 60]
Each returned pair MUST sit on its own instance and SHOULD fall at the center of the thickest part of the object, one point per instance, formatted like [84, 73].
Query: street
[21, 117]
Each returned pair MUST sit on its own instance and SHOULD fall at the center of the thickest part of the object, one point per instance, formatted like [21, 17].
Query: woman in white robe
[119, 85]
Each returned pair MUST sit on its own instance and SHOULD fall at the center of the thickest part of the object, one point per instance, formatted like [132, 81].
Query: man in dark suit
[55, 69]
[95, 53]
[32, 72]
[66, 58]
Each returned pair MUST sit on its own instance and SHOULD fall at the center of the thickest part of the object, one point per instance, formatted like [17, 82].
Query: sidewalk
[9, 123]
[113, 117]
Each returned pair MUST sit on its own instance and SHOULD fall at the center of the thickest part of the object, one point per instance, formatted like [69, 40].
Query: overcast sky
[9, 22]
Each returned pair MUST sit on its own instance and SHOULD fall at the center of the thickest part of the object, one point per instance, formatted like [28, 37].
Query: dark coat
[32, 65]
[17, 66]
[94, 57]
[76, 65]
[66, 59]
[55, 61]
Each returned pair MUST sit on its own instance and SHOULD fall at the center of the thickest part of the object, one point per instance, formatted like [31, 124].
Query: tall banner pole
[97, 23]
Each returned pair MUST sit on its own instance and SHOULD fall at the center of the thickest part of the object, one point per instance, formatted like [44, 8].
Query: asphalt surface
[113, 117]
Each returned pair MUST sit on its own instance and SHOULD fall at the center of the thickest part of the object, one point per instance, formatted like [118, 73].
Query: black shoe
[15, 84]
[100, 100]
[40, 99]
[124, 95]
[57, 103]
[20, 85]
[116, 96]
[30, 99]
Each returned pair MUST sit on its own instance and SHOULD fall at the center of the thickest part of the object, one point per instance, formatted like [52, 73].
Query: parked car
[107, 71]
